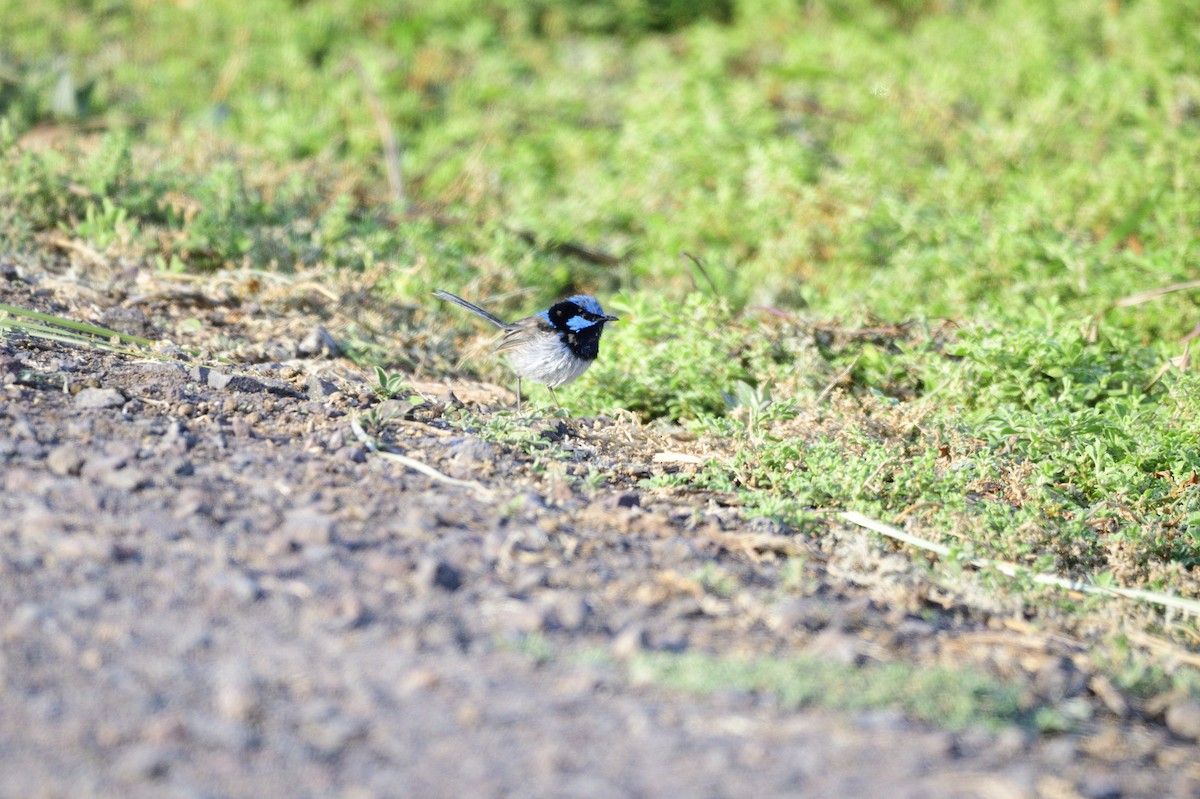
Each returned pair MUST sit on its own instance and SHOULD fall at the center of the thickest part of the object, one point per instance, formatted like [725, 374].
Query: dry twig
[1189, 606]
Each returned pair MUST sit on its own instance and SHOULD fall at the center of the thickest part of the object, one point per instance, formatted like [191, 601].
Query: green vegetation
[953, 698]
[910, 225]
[56, 328]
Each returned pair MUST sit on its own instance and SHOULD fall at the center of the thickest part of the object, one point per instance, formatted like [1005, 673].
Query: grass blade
[71, 324]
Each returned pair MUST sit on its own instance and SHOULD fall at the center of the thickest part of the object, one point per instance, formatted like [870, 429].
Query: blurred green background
[894, 158]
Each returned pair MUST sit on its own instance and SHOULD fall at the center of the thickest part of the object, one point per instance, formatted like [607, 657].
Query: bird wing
[519, 332]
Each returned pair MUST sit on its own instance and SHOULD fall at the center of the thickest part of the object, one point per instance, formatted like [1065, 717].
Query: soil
[210, 586]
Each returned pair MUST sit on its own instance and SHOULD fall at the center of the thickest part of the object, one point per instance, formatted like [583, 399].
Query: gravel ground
[209, 587]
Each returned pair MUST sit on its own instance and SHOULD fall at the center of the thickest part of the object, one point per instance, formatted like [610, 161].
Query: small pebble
[225, 381]
[1100, 786]
[1058, 679]
[142, 762]
[237, 694]
[628, 642]
[318, 342]
[91, 398]
[309, 527]
[129, 479]
[439, 574]
[318, 388]
[628, 500]
[833, 644]
[235, 585]
[1183, 719]
[567, 611]
[64, 460]
[351, 454]
[471, 450]
[1109, 694]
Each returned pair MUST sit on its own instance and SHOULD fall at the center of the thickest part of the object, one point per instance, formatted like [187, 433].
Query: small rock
[628, 500]
[684, 607]
[190, 502]
[417, 680]
[513, 616]
[128, 479]
[128, 320]
[673, 638]
[21, 427]
[1109, 694]
[90, 398]
[82, 599]
[566, 611]
[1099, 786]
[309, 527]
[64, 460]
[237, 694]
[1058, 679]
[835, 645]
[235, 585]
[1060, 752]
[84, 547]
[222, 734]
[177, 437]
[852, 615]
[529, 579]
[883, 720]
[319, 389]
[351, 454]
[350, 613]
[395, 409]
[95, 467]
[580, 683]
[810, 613]
[142, 762]
[435, 573]
[326, 730]
[471, 450]
[1183, 719]
[319, 342]
[224, 381]
[121, 449]
[628, 642]
[1010, 741]
[30, 448]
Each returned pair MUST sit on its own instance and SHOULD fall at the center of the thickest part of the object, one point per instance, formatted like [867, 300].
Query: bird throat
[584, 343]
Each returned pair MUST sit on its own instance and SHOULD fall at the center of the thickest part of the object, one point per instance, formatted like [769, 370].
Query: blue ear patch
[578, 323]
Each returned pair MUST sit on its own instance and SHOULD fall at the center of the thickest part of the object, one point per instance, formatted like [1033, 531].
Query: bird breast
[546, 359]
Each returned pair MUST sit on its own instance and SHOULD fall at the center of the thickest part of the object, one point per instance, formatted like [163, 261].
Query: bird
[552, 347]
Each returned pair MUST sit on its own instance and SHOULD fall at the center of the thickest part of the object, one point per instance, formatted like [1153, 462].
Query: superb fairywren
[552, 347]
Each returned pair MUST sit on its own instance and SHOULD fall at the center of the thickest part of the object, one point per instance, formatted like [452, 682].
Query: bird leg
[555, 396]
[518, 395]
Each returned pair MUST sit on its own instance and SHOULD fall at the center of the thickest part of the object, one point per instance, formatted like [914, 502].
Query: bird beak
[611, 319]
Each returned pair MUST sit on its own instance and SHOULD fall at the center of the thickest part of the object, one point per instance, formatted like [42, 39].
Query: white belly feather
[546, 360]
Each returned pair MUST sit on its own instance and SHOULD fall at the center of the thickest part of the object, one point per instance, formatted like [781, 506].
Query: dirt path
[210, 588]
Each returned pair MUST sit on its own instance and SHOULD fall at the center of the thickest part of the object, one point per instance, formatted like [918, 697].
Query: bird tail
[475, 309]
